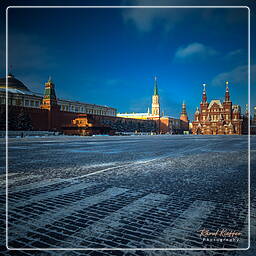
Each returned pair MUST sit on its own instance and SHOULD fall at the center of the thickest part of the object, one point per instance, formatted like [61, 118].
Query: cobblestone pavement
[127, 192]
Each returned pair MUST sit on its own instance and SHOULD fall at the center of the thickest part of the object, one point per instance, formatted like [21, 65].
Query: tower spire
[155, 100]
[204, 97]
[227, 96]
[155, 86]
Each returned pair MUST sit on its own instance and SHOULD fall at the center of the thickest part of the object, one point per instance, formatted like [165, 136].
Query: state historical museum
[217, 117]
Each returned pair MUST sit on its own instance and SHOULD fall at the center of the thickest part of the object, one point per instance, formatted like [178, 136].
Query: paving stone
[180, 183]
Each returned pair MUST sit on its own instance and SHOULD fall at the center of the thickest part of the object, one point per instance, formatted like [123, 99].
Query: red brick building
[217, 117]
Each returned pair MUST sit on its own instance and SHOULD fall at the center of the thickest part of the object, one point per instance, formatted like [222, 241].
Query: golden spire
[226, 86]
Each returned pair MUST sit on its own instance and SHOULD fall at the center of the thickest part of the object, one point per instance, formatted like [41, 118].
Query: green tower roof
[155, 87]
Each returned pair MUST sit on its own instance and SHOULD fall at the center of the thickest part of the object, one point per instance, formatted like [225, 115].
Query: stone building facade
[217, 117]
[20, 96]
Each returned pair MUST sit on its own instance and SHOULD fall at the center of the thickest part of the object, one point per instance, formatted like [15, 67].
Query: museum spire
[204, 97]
[227, 96]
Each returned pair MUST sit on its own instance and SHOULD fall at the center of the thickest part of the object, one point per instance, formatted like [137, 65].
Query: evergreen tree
[12, 119]
[24, 122]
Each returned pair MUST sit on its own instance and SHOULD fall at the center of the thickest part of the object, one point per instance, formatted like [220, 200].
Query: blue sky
[110, 56]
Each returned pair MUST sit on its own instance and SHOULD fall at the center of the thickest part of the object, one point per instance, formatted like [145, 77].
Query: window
[32, 103]
[26, 102]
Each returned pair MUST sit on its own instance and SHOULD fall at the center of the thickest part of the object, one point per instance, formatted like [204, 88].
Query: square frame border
[129, 249]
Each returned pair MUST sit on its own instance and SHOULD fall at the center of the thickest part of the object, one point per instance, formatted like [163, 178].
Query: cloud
[193, 50]
[146, 19]
[238, 76]
[236, 55]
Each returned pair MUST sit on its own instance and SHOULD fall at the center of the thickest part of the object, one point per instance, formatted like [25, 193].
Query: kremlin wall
[33, 111]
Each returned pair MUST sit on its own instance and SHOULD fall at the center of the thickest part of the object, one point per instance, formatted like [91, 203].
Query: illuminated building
[217, 117]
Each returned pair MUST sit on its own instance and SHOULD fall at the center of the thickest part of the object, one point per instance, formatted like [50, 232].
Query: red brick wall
[42, 119]
[58, 119]
[39, 117]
